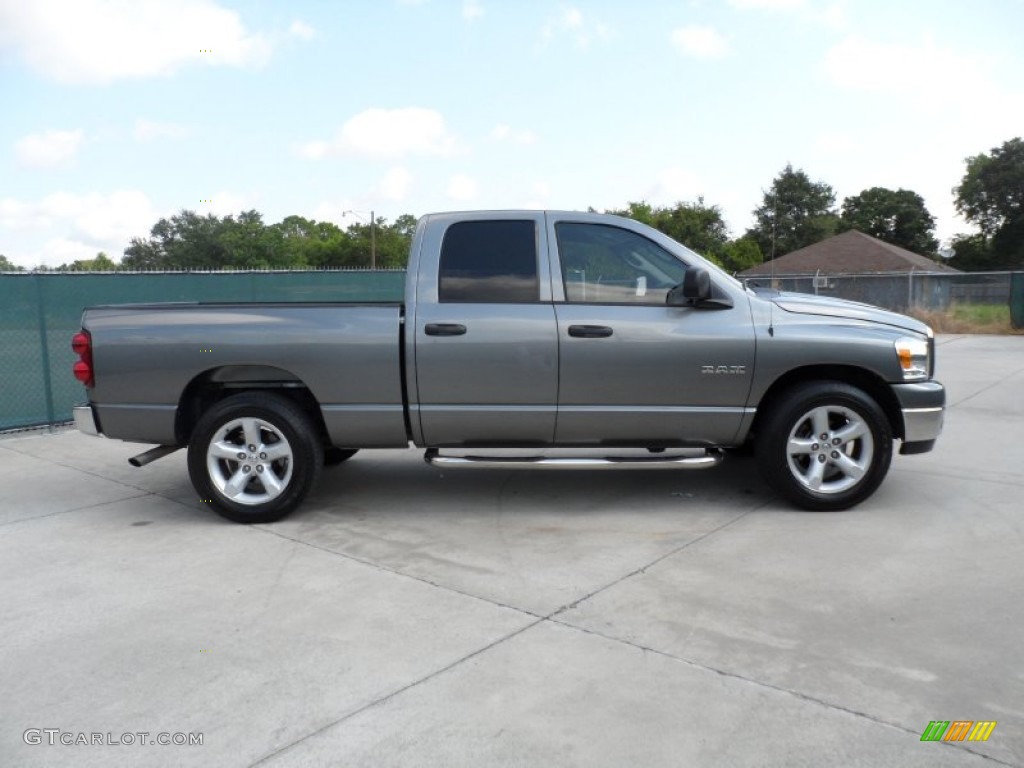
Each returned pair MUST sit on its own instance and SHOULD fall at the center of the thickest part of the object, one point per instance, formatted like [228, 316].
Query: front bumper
[85, 421]
[924, 409]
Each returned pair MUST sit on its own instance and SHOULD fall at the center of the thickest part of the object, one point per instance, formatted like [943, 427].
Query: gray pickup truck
[519, 330]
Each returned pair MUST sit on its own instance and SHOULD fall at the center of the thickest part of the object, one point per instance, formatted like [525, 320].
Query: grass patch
[968, 318]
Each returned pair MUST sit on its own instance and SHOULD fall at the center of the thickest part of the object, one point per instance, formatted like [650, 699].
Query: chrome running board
[712, 458]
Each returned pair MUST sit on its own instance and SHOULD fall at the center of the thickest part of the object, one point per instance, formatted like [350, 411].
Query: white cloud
[674, 185]
[699, 42]
[570, 22]
[223, 203]
[49, 149]
[396, 184]
[931, 79]
[100, 41]
[834, 15]
[79, 225]
[835, 143]
[331, 210]
[61, 250]
[300, 30]
[924, 69]
[314, 150]
[768, 5]
[462, 188]
[541, 196]
[150, 130]
[387, 133]
[504, 133]
[472, 10]
[572, 18]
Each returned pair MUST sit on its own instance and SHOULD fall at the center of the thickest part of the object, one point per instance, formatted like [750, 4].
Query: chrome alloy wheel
[250, 461]
[830, 449]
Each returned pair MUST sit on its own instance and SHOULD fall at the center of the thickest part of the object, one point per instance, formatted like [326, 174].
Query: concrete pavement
[410, 617]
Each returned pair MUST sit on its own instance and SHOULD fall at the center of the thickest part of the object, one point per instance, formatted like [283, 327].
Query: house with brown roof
[852, 252]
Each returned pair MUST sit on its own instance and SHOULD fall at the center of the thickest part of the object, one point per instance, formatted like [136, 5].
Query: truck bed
[347, 355]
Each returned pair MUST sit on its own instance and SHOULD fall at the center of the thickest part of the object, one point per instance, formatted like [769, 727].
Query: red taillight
[81, 343]
[83, 373]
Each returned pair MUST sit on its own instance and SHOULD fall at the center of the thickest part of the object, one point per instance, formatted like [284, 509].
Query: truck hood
[806, 304]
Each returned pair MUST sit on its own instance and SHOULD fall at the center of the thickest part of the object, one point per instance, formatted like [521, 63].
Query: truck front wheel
[254, 457]
[824, 446]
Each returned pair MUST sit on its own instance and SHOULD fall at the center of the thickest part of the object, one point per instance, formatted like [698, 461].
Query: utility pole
[373, 234]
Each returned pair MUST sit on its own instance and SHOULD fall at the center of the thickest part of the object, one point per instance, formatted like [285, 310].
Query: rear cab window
[489, 262]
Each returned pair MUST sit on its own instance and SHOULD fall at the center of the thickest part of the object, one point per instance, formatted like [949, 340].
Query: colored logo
[958, 730]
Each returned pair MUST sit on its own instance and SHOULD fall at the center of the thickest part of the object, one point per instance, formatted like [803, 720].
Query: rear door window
[491, 262]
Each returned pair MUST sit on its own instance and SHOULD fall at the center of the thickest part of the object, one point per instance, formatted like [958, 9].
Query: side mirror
[696, 286]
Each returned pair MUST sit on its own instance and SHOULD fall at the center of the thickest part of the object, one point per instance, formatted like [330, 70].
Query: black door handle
[445, 329]
[590, 331]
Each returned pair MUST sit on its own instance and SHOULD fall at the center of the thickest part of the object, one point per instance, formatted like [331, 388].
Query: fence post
[44, 346]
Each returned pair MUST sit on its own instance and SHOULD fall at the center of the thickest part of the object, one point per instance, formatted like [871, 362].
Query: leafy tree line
[6, 265]
[991, 196]
[190, 241]
[795, 212]
[700, 227]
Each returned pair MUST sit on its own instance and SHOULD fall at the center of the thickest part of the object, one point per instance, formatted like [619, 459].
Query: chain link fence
[924, 290]
[39, 312]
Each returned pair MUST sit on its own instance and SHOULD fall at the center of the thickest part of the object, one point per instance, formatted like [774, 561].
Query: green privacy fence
[39, 312]
[1017, 300]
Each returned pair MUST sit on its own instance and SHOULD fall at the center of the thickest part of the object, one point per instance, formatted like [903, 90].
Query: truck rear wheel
[254, 457]
[825, 446]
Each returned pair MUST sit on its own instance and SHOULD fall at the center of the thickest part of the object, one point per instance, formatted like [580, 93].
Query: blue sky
[116, 113]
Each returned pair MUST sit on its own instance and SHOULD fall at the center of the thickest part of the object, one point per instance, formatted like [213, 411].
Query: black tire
[292, 461]
[335, 456]
[823, 474]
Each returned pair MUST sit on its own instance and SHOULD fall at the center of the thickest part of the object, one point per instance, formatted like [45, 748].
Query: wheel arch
[214, 384]
[871, 383]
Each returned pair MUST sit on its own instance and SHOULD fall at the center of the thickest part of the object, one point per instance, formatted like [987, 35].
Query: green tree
[312, 243]
[190, 241]
[393, 241]
[695, 225]
[390, 242]
[898, 217]
[332, 246]
[100, 263]
[185, 241]
[991, 196]
[971, 253]
[7, 266]
[795, 212]
[405, 226]
[249, 244]
[362, 239]
[741, 254]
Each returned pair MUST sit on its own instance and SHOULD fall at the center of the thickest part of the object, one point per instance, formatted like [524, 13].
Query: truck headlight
[913, 357]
